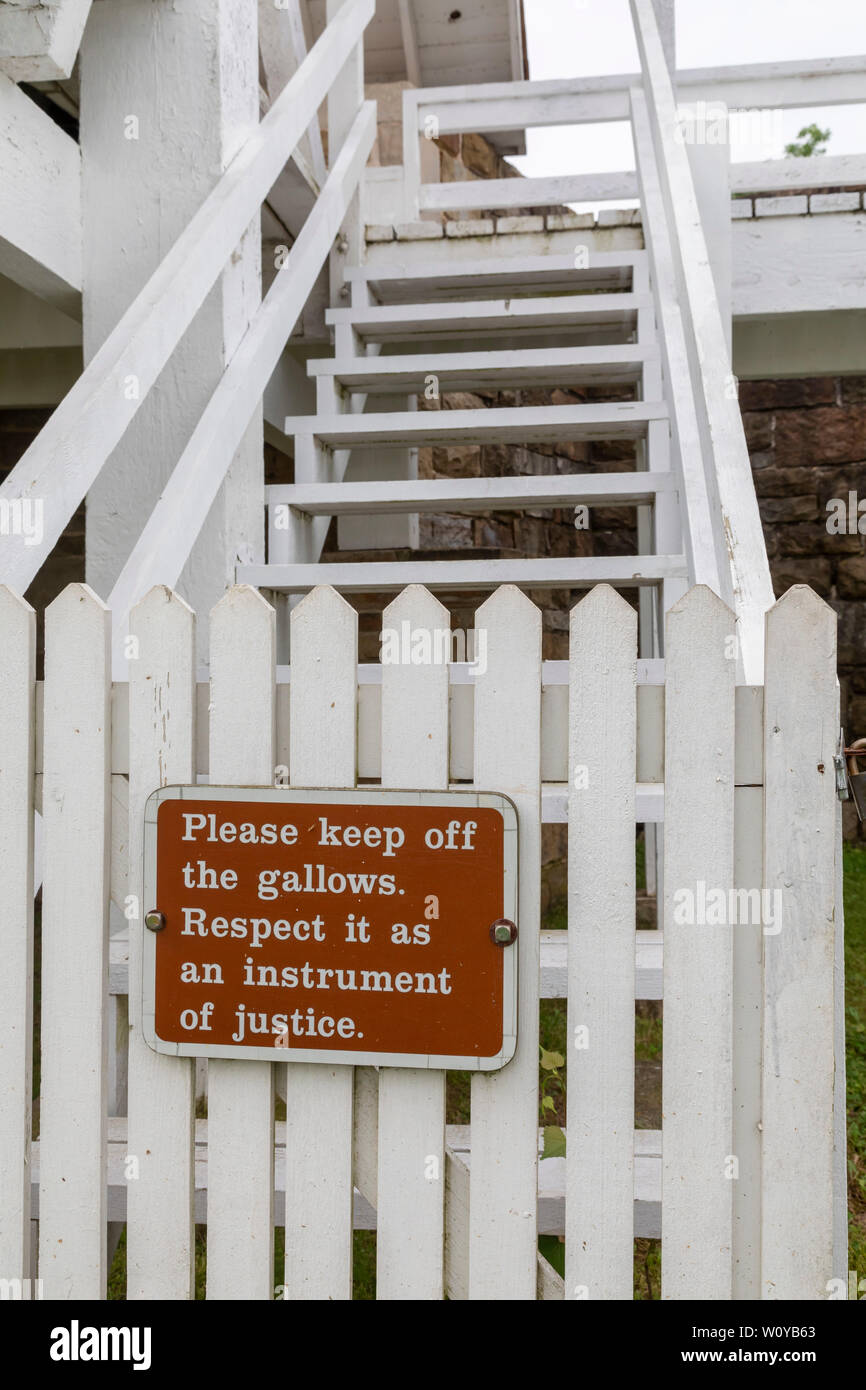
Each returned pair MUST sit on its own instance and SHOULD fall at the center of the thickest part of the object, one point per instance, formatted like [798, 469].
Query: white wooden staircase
[651, 318]
[598, 328]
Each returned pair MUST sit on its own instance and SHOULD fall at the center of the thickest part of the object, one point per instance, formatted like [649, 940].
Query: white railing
[508, 106]
[67, 456]
[737, 529]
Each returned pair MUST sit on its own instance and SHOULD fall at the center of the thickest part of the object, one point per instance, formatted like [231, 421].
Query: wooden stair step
[606, 363]
[471, 494]
[514, 424]
[626, 571]
[384, 321]
[398, 282]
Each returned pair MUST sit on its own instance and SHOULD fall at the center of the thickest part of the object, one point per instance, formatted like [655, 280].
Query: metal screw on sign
[503, 932]
[154, 920]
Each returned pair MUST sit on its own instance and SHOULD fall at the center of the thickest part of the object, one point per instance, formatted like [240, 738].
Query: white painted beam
[568, 101]
[529, 192]
[780, 175]
[39, 41]
[40, 207]
[283, 47]
[410, 41]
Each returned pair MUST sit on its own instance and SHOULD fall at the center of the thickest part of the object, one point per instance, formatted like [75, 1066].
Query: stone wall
[807, 442]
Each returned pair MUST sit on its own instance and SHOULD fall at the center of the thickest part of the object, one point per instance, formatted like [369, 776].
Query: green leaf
[547, 1103]
[554, 1142]
[551, 1060]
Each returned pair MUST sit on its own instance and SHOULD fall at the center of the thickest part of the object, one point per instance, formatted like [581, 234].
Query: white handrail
[724, 442]
[703, 538]
[67, 456]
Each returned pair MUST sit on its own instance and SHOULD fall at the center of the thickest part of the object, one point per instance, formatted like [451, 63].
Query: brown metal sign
[365, 927]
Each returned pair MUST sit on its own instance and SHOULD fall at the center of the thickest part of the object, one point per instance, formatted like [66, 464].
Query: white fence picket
[75, 895]
[240, 1242]
[411, 1186]
[17, 738]
[504, 1164]
[599, 1236]
[160, 1247]
[324, 654]
[697, 1080]
[801, 722]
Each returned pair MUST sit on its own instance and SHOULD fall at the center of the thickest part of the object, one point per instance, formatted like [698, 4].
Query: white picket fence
[749, 1182]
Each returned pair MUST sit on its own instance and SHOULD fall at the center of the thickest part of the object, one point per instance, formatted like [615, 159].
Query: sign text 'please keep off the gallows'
[335, 926]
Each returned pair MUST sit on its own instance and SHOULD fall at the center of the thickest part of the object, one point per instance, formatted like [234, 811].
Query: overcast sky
[572, 38]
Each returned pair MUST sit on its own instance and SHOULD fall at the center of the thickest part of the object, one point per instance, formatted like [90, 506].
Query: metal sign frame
[280, 1050]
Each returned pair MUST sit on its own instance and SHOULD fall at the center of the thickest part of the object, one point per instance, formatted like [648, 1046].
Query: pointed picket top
[159, 597]
[322, 699]
[804, 622]
[416, 651]
[17, 637]
[602, 604]
[12, 605]
[700, 598]
[417, 604]
[321, 604]
[73, 599]
[508, 603]
[240, 598]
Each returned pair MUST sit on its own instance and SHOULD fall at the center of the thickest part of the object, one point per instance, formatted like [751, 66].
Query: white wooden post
[344, 103]
[17, 742]
[666, 18]
[160, 1245]
[599, 1198]
[697, 1176]
[324, 643]
[200, 62]
[801, 722]
[240, 1235]
[411, 1187]
[504, 1164]
[75, 897]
